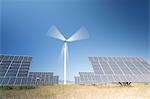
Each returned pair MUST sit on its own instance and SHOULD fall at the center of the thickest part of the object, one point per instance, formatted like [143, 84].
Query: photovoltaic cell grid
[12, 81]
[116, 69]
[14, 71]
[91, 78]
[41, 77]
[35, 78]
[123, 68]
[14, 66]
[119, 65]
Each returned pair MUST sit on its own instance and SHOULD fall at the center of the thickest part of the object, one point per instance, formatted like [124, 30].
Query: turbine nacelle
[65, 41]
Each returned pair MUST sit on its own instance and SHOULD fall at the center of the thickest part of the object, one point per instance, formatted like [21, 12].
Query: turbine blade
[55, 33]
[81, 34]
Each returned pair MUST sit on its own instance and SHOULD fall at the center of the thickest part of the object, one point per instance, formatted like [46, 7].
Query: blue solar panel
[14, 70]
[41, 77]
[14, 66]
[117, 69]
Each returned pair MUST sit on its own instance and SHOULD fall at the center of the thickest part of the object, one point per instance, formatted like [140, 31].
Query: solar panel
[41, 77]
[14, 66]
[23, 81]
[121, 69]
[116, 69]
[86, 78]
[14, 70]
[55, 79]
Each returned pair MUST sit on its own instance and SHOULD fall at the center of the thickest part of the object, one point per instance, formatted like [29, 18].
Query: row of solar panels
[10, 81]
[116, 69]
[91, 78]
[14, 70]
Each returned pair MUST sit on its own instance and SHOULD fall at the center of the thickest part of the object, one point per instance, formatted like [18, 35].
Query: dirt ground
[109, 91]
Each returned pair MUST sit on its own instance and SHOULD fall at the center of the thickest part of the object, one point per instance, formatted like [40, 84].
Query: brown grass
[110, 91]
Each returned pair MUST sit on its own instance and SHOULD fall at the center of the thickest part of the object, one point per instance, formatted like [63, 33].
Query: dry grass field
[135, 91]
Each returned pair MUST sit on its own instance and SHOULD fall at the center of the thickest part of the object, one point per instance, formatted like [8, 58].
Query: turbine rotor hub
[65, 41]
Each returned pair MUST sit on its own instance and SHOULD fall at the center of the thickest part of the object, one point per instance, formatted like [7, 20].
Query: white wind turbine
[81, 34]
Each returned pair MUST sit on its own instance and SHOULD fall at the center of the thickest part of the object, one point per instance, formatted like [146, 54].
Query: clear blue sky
[116, 28]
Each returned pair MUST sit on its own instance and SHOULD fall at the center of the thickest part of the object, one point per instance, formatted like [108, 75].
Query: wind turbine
[81, 34]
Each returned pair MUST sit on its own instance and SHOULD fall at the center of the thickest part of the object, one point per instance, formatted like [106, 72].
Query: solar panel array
[14, 70]
[12, 81]
[41, 77]
[14, 66]
[119, 65]
[88, 78]
[117, 69]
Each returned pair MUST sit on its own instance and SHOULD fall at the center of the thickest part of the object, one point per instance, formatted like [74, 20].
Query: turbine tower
[81, 34]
